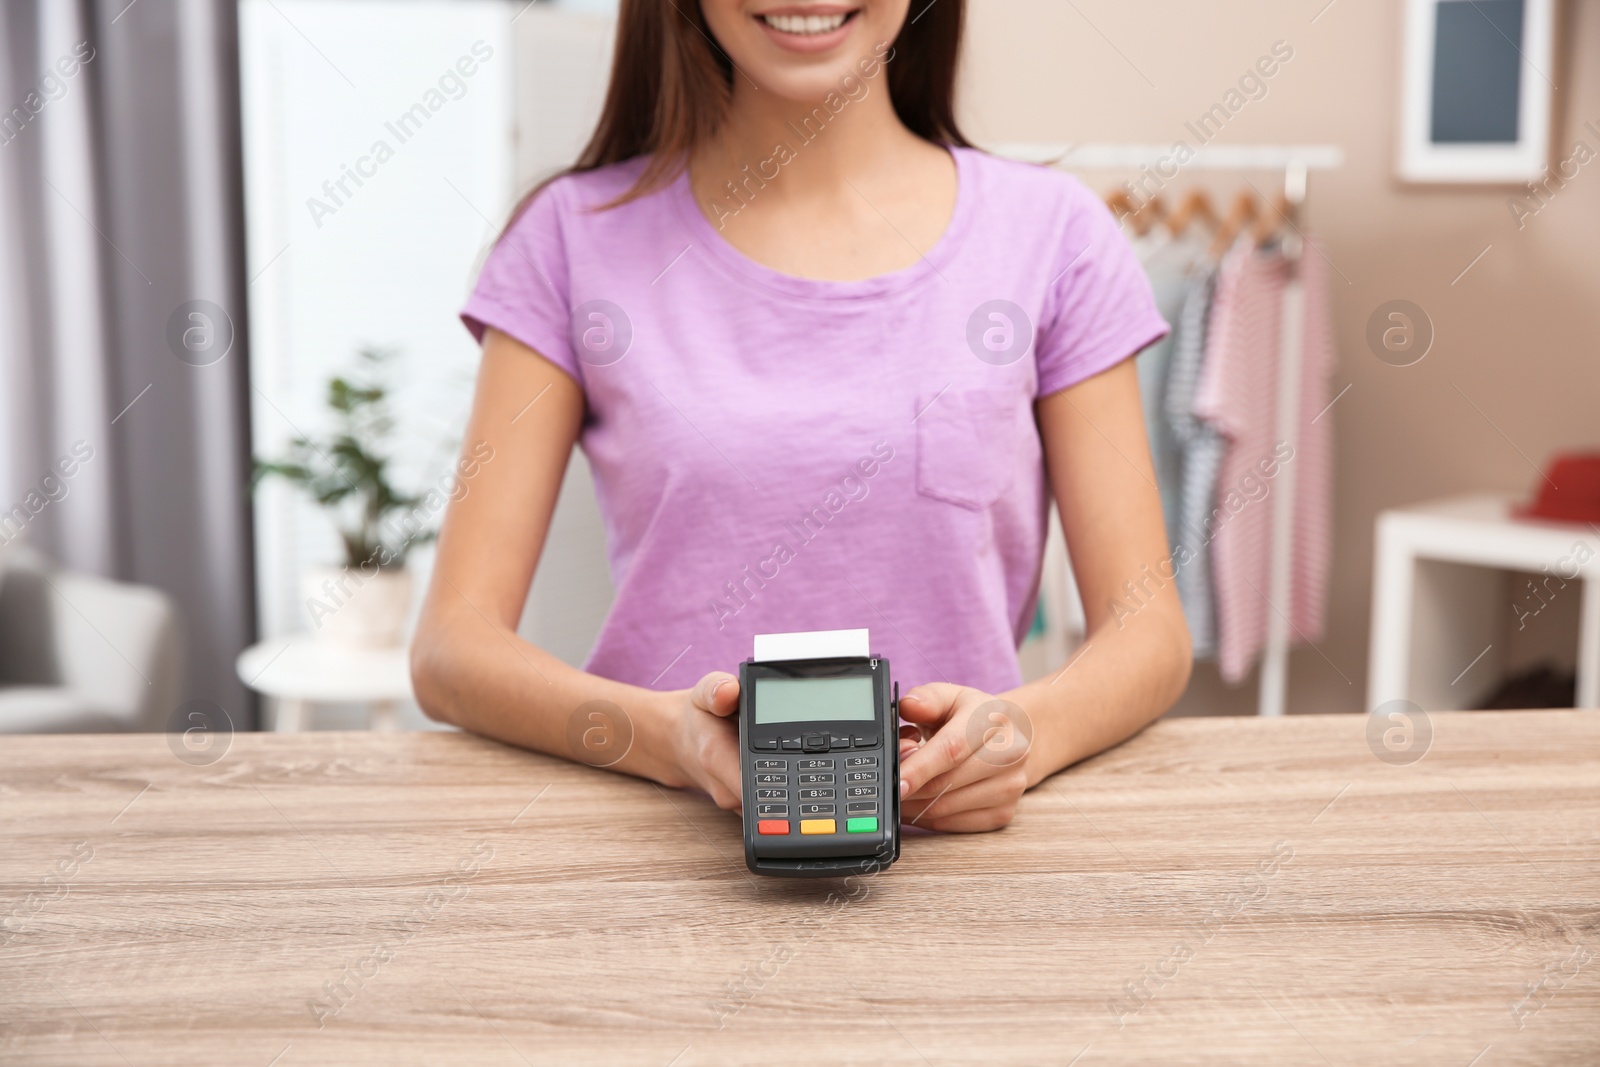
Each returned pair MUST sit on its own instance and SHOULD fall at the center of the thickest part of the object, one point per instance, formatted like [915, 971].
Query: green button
[861, 826]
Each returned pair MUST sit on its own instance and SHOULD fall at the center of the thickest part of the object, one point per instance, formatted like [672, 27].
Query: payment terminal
[819, 755]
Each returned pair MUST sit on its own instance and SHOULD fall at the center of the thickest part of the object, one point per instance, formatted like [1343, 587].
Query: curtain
[122, 308]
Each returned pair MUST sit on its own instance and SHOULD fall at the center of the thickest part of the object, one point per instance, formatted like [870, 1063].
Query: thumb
[717, 692]
[930, 704]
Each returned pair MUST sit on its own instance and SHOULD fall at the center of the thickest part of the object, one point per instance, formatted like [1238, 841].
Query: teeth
[805, 25]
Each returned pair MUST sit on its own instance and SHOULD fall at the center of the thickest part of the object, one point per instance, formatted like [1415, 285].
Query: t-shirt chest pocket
[967, 450]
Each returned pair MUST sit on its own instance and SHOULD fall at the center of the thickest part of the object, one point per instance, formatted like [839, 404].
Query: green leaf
[347, 471]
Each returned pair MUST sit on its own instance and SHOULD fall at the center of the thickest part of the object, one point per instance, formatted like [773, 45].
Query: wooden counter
[1216, 890]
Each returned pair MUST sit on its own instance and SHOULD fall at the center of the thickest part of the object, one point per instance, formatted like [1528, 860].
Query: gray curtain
[122, 307]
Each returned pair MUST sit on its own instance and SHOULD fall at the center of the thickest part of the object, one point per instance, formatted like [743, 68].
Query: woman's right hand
[708, 738]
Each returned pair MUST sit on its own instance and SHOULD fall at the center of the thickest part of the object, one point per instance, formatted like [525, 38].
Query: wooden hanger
[1195, 204]
[1141, 218]
[1272, 220]
[1152, 212]
[1121, 204]
[1243, 212]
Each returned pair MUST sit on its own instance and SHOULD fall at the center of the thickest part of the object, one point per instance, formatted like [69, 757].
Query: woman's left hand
[963, 765]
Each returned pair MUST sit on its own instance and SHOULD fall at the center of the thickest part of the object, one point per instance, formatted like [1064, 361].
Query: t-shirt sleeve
[1103, 308]
[522, 290]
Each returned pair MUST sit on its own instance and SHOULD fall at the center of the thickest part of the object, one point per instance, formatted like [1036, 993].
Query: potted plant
[363, 603]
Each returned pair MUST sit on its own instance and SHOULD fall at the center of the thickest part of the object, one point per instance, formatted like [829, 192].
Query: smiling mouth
[807, 25]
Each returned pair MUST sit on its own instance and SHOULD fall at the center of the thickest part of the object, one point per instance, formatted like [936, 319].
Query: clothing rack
[1294, 162]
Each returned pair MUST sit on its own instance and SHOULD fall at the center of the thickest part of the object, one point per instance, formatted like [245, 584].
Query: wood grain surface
[1214, 891]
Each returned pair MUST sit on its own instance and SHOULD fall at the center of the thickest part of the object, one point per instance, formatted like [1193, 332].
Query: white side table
[1440, 599]
[300, 671]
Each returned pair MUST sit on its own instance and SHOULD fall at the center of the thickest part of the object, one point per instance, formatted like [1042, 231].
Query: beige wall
[1519, 334]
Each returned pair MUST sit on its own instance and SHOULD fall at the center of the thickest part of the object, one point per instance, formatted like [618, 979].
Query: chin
[811, 87]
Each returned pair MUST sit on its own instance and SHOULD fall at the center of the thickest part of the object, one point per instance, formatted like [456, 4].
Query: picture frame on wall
[1477, 90]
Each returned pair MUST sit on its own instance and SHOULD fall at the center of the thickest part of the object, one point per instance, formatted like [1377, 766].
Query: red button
[772, 826]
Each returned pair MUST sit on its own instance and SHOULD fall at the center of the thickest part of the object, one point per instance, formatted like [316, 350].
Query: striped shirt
[1238, 396]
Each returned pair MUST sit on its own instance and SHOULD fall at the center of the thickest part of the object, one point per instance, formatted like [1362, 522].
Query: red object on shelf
[1569, 490]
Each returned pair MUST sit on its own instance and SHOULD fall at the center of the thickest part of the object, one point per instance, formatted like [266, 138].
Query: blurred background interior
[199, 232]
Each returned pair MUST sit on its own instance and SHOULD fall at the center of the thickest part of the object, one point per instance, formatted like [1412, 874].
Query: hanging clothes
[1200, 449]
[1238, 398]
[1170, 263]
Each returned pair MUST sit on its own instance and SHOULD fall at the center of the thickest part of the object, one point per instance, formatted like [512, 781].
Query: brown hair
[671, 86]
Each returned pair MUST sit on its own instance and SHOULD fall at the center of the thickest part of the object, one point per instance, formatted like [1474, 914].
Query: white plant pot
[348, 609]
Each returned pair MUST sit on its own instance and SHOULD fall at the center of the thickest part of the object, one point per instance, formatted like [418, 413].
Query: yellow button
[816, 826]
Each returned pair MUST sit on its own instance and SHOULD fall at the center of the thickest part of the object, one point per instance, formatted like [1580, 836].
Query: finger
[967, 772]
[723, 799]
[987, 760]
[975, 822]
[991, 792]
[910, 740]
[929, 704]
[717, 692]
[940, 754]
[721, 762]
[726, 769]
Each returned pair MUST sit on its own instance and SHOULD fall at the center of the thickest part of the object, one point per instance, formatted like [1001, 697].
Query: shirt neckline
[707, 239]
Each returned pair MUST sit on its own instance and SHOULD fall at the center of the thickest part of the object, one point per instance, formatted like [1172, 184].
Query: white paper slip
[812, 644]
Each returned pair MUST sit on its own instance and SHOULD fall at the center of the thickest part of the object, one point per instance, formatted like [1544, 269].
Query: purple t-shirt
[774, 453]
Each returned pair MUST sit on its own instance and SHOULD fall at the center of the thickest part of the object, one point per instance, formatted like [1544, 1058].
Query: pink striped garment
[1238, 396]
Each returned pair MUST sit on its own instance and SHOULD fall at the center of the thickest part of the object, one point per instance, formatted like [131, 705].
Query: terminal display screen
[814, 699]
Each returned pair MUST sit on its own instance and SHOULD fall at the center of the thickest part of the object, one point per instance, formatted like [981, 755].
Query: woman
[821, 356]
